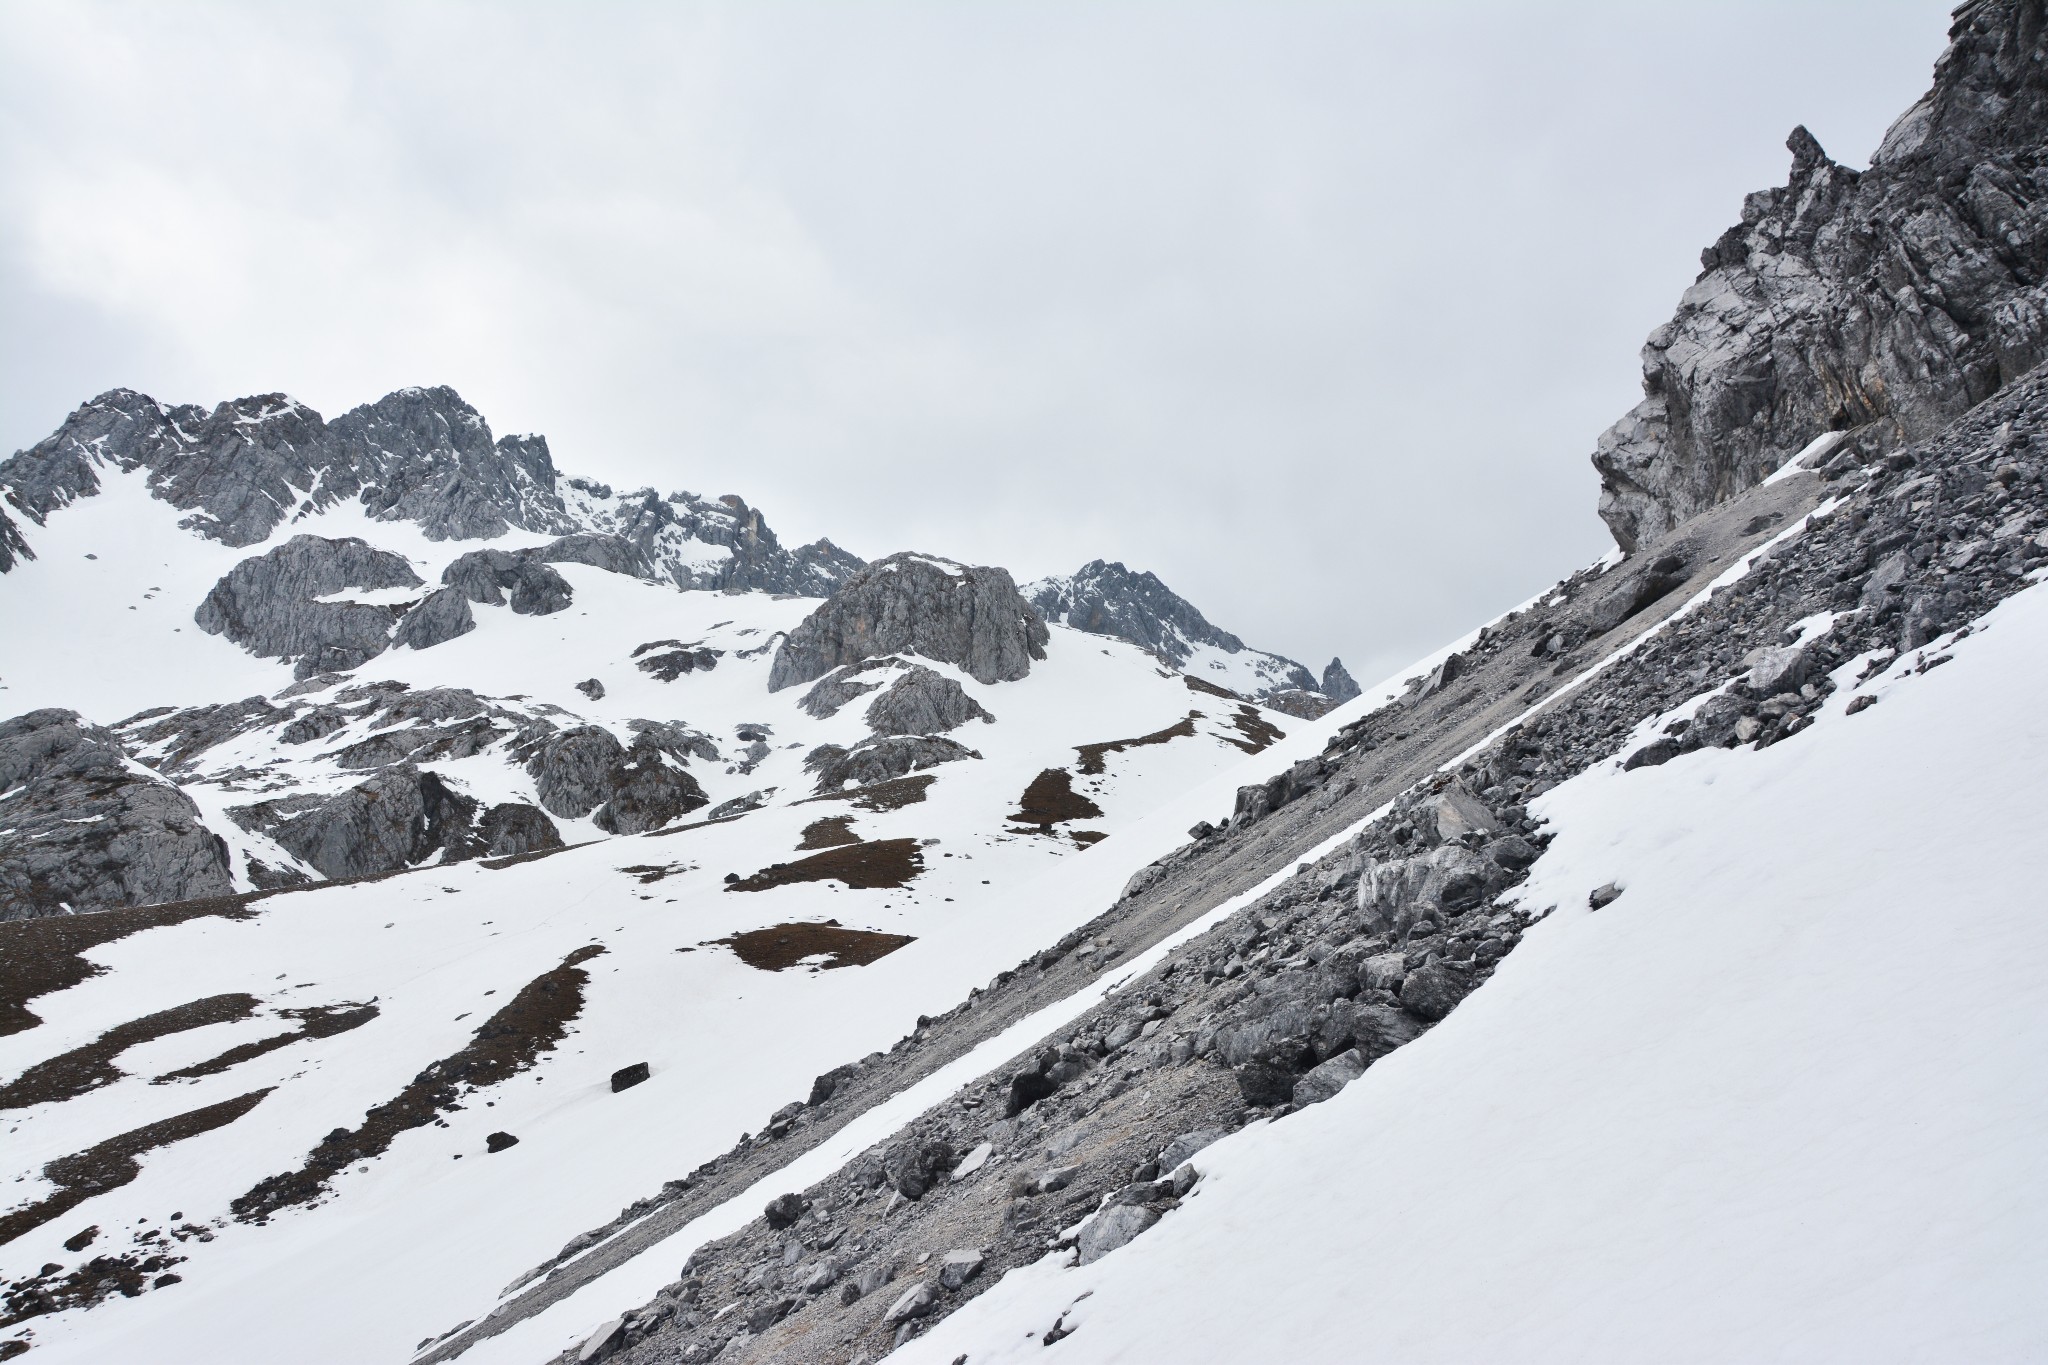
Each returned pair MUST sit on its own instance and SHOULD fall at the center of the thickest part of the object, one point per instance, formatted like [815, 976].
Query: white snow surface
[1779, 1102]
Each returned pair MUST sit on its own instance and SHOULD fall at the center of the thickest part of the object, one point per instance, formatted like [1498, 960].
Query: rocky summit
[591, 932]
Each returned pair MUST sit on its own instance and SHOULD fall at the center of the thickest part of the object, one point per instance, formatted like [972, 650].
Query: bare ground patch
[43, 956]
[504, 1045]
[1092, 755]
[111, 1164]
[1051, 800]
[1258, 732]
[315, 1021]
[72, 1073]
[865, 866]
[782, 946]
[834, 831]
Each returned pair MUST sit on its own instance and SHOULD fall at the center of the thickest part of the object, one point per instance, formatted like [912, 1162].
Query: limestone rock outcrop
[970, 617]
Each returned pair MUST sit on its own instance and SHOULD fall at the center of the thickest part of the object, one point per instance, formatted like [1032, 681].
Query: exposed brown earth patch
[315, 1021]
[111, 1164]
[864, 866]
[71, 1074]
[833, 831]
[507, 1043]
[1088, 838]
[1092, 755]
[894, 794]
[1198, 685]
[650, 873]
[43, 956]
[782, 946]
[1051, 799]
[1259, 733]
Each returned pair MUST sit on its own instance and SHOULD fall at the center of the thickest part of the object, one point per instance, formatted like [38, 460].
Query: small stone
[626, 1077]
[914, 1302]
[1862, 703]
[1176, 1152]
[498, 1142]
[1604, 896]
[591, 688]
[973, 1161]
[602, 1342]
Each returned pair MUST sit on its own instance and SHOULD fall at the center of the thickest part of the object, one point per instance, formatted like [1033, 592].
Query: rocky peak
[1884, 302]
[1105, 598]
[972, 617]
[428, 457]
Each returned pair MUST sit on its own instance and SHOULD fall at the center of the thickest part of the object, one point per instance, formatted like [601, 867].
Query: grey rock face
[1396, 895]
[1338, 684]
[513, 827]
[662, 530]
[880, 758]
[973, 618]
[439, 617]
[395, 820]
[1885, 302]
[843, 685]
[486, 575]
[13, 549]
[267, 603]
[1327, 1078]
[82, 830]
[922, 702]
[585, 771]
[614, 554]
[1114, 1227]
[428, 457]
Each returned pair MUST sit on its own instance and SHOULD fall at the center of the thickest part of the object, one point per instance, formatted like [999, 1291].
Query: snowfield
[1778, 1102]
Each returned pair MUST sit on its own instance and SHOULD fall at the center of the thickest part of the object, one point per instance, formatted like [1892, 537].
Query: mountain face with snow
[1108, 599]
[465, 912]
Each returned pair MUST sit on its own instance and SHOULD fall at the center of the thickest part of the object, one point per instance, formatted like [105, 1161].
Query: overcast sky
[1313, 309]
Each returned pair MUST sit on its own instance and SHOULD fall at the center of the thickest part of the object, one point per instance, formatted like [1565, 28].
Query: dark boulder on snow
[513, 827]
[486, 576]
[398, 819]
[440, 616]
[269, 603]
[971, 617]
[498, 1142]
[82, 828]
[586, 771]
[626, 1077]
[922, 702]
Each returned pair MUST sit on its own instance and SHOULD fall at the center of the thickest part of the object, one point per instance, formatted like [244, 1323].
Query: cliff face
[1884, 302]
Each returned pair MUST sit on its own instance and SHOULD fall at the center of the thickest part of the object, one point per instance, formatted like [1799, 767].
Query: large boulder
[1393, 896]
[487, 575]
[586, 771]
[922, 702]
[269, 603]
[440, 617]
[426, 456]
[973, 618]
[83, 828]
[395, 820]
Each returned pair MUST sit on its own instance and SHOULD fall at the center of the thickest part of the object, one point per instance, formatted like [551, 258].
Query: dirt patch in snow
[1092, 755]
[833, 831]
[504, 1045]
[782, 946]
[1259, 733]
[72, 1073]
[315, 1021]
[891, 795]
[1051, 800]
[1209, 688]
[111, 1164]
[650, 873]
[43, 956]
[865, 866]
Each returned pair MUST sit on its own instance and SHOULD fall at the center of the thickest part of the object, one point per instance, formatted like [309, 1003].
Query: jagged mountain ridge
[1244, 1003]
[418, 455]
[1106, 598]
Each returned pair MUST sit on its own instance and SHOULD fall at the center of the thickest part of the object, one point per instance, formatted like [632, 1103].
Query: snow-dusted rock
[439, 617]
[1116, 1226]
[922, 702]
[269, 603]
[83, 828]
[971, 617]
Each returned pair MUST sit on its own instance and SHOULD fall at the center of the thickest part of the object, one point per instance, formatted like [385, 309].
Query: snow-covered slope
[1773, 1103]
